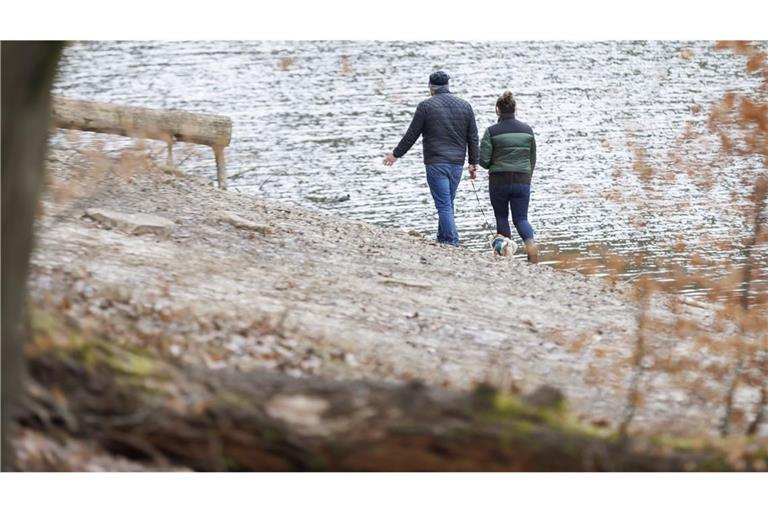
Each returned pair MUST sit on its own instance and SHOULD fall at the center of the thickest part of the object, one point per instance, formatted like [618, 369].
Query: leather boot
[532, 250]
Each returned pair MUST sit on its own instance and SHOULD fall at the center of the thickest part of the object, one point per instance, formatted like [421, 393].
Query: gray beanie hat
[439, 78]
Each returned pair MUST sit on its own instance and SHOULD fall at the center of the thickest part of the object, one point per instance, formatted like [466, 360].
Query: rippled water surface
[313, 120]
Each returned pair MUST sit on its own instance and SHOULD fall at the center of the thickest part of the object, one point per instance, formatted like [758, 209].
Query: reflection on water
[312, 121]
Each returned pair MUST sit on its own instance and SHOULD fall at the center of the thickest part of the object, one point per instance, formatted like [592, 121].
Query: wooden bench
[168, 126]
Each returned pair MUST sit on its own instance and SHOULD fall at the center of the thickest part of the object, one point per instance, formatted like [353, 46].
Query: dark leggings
[511, 191]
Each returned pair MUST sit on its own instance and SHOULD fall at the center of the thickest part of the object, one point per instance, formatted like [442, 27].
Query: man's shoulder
[459, 101]
[426, 105]
[446, 99]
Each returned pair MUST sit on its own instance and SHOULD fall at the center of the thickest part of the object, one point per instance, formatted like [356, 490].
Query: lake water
[312, 121]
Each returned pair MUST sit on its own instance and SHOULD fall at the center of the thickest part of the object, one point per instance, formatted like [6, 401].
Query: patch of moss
[511, 405]
[234, 399]
[132, 363]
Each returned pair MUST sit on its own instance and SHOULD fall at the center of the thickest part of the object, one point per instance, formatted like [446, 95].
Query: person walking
[449, 132]
[508, 151]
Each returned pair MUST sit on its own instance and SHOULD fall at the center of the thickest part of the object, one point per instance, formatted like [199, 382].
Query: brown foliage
[734, 348]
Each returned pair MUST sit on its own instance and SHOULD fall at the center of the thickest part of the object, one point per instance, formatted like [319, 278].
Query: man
[447, 126]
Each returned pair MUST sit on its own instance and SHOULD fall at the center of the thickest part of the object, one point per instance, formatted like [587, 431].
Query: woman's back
[508, 146]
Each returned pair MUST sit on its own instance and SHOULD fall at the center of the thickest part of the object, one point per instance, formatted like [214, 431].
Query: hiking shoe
[532, 250]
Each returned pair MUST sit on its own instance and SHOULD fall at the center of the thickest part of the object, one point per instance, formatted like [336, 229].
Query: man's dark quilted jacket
[447, 126]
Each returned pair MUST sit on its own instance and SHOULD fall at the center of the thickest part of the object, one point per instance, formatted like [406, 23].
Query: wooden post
[169, 156]
[221, 170]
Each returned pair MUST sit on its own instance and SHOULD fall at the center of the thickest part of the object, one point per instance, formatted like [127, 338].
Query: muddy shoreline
[305, 293]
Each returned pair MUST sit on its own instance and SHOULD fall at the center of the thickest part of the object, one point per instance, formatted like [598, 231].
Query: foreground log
[140, 406]
[165, 125]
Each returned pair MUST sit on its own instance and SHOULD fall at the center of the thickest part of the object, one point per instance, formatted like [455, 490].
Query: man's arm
[412, 134]
[472, 138]
[533, 152]
[486, 149]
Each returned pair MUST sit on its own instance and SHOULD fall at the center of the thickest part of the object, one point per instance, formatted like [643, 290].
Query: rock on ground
[132, 223]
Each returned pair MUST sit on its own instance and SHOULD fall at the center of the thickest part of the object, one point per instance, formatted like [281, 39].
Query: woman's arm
[486, 150]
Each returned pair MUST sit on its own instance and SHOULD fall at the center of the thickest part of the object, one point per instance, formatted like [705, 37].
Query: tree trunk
[139, 405]
[27, 70]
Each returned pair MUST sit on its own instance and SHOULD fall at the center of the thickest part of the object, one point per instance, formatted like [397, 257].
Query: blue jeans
[443, 180]
[515, 197]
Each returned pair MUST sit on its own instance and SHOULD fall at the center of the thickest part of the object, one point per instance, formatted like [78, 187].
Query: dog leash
[487, 224]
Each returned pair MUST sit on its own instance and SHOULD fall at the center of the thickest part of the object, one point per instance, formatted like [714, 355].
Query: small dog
[502, 246]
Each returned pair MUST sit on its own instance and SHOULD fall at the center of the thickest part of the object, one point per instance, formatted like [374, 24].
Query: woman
[508, 151]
